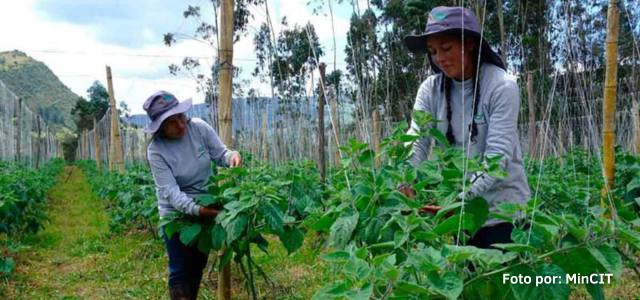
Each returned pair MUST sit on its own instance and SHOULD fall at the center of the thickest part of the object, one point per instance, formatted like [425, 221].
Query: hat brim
[418, 44]
[178, 109]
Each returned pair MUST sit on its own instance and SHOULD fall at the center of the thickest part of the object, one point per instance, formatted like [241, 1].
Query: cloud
[120, 22]
[77, 39]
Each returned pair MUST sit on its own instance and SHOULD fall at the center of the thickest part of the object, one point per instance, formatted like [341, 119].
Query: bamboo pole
[19, 131]
[376, 134]
[115, 128]
[609, 103]
[321, 123]
[96, 142]
[225, 57]
[532, 115]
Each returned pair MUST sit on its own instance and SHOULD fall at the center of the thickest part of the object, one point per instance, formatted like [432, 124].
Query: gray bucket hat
[443, 19]
[162, 105]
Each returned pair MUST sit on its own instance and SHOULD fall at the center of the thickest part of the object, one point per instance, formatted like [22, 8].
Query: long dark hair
[446, 86]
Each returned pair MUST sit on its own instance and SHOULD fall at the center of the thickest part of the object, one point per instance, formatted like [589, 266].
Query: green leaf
[292, 239]
[371, 230]
[480, 210]
[596, 291]
[428, 259]
[189, 233]
[608, 259]
[453, 224]
[333, 291]
[218, 236]
[558, 291]
[324, 224]
[272, 215]
[226, 258]
[408, 138]
[629, 236]
[633, 184]
[438, 136]
[336, 257]
[412, 288]
[366, 158]
[235, 227]
[522, 237]
[172, 228]
[363, 294]
[502, 217]
[400, 238]
[342, 230]
[459, 253]
[449, 285]
[206, 200]
[509, 208]
[357, 268]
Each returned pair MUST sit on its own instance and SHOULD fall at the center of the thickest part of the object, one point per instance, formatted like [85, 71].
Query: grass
[76, 257]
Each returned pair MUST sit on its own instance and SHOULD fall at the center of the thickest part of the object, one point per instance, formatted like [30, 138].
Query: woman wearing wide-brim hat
[478, 103]
[180, 155]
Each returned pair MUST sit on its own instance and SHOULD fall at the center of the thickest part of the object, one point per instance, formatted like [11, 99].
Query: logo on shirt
[201, 149]
[479, 117]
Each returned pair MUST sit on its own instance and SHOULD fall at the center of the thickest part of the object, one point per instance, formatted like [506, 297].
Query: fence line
[25, 137]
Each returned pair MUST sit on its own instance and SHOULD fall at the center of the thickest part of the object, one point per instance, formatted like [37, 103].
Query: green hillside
[40, 89]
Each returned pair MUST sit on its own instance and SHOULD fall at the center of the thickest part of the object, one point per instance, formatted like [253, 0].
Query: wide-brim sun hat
[454, 20]
[162, 105]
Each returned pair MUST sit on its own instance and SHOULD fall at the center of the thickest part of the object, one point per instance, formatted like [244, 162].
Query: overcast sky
[76, 39]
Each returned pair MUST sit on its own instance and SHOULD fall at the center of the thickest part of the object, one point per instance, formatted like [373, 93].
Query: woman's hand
[236, 160]
[208, 212]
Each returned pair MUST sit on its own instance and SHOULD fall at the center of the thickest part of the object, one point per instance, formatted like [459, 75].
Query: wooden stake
[265, 136]
[19, 131]
[503, 41]
[38, 142]
[96, 142]
[609, 103]
[636, 127]
[114, 124]
[321, 123]
[225, 65]
[376, 134]
[532, 115]
[336, 123]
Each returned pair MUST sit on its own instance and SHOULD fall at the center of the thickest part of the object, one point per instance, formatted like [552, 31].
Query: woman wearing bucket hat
[180, 155]
[478, 103]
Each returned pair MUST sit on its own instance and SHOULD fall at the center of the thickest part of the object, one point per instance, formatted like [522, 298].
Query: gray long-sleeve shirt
[182, 168]
[497, 123]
